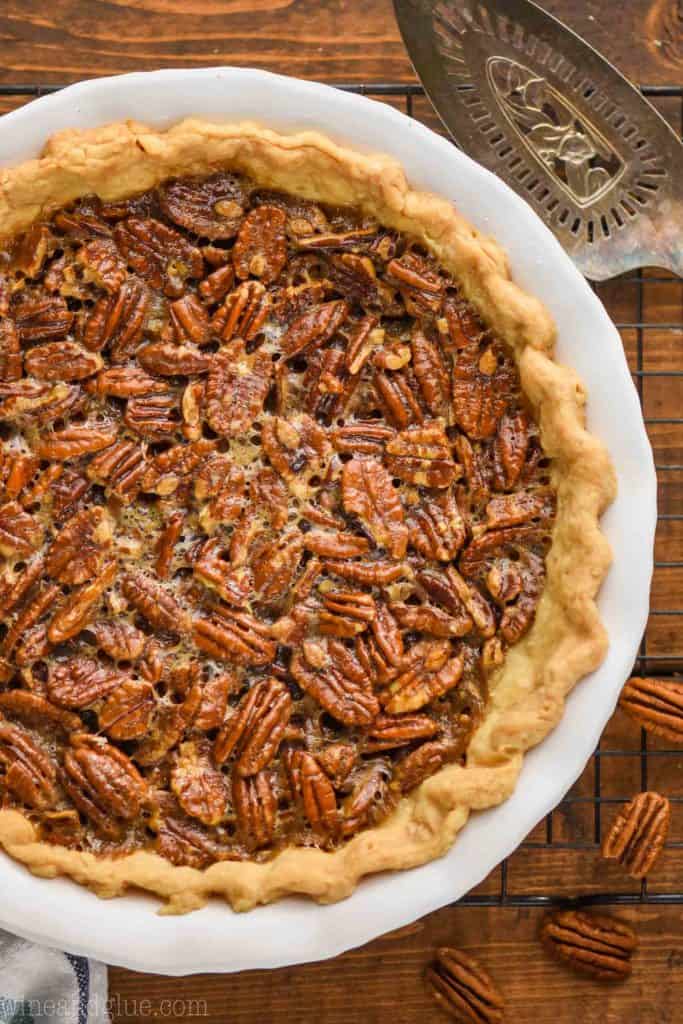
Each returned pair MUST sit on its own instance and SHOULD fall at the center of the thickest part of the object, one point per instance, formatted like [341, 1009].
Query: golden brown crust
[567, 639]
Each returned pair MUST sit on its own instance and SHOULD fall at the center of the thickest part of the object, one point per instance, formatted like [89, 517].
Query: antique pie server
[528, 98]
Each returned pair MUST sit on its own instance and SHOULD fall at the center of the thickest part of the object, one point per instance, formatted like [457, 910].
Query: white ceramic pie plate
[127, 931]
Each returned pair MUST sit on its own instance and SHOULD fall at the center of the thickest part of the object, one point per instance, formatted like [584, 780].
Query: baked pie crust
[566, 641]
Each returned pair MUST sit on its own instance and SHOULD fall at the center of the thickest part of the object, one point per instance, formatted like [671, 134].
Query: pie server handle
[532, 101]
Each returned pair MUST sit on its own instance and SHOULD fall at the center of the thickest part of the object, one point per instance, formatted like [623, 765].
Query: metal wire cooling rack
[643, 327]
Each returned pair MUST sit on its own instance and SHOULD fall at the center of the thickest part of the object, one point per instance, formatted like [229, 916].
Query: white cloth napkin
[42, 986]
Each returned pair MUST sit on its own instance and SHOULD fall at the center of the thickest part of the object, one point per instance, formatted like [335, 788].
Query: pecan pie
[298, 517]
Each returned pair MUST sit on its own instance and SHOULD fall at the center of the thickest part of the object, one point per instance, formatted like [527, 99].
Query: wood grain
[381, 983]
[338, 40]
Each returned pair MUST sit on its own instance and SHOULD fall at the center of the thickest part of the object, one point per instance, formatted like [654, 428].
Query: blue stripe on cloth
[82, 972]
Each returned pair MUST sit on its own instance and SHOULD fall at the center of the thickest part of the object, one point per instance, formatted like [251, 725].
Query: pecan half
[35, 644]
[192, 407]
[462, 988]
[236, 388]
[76, 553]
[119, 640]
[212, 208]
[165, 473]
[214, 702]
[422, 455]
[234, 636]
[479, 553]
[30, 774]
[126, 382]
[303, 216]
[213, 288]
[390, 731]
[36, 710]
[255, 806]
[28, 400]
[420, 764]
[158, 253]
[346, 613]
[656, 705]
[16, 472]
[338, 239]
[219, 487]
[72, 442]
[167, 359]
[638, 834]
[10, 352]
[333, 677]
[337, 760]
[156, 417]
[327, 387]
[20, 533]
[67, 490]
[168, 538]
[369, 800]
[120, 468]
[367, 491]
[102, 264]
[44, 318]
[155, 603]
[32, 612]
[32, 250]
[243, 312]
[14, 585]
[117, 321]
[199, 786]
[378, 573]
[80, 681]
[481, 387]
[364, 340]
[431, 373]
[260, 248]
[103, 784]
[79, 607]
[436, 527]
[189, 318]
[396, 397]
[276, 564]
[510, 448]
[427, 679]
[596, 945]
[314, 792]
[355, 277]
[127, 712]
[519, 615]
[255, 730]
[362, 438]
[506, 510]
[421, 286]
[452, 592]
[425, 618]
[183, 841]
[314, 327]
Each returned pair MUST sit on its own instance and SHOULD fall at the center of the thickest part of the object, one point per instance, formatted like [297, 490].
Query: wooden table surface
[381, 983]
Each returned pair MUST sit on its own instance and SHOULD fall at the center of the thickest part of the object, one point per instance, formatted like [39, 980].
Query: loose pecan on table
[464, 989]
[590, 943]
